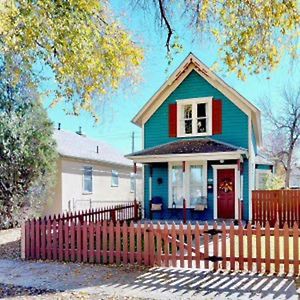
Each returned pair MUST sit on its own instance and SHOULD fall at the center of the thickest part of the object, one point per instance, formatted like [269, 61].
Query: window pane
[196, 185]
[88, 179]
[201, 125]
[188, 127]
[132, 182]
[114, 178]
[201, 110]
[177, 185]
[187, 113]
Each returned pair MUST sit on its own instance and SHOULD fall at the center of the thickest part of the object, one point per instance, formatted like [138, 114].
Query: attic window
[194, 117]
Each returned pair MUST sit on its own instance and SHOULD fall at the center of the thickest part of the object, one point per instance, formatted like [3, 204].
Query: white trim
[189, 64]
[237, 188]
[194, 102]
[186, 180]
[259, 172]
[188, 157]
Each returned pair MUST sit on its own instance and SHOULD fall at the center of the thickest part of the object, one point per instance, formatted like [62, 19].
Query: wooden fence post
[23, 241]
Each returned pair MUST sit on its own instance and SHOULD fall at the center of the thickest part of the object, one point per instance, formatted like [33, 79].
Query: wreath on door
[226, 186]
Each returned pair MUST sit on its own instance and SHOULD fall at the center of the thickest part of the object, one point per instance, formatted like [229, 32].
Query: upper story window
[87, 180]
[114, 178]
[194, 117]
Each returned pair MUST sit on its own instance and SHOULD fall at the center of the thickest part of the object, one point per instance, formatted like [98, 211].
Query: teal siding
[235, 122]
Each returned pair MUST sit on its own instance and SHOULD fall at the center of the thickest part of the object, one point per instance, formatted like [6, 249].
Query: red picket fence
[257, 249]
[276, 206]
[123, 212]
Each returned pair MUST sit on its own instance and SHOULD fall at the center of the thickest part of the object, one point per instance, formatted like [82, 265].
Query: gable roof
[186, 67]
[73, 145]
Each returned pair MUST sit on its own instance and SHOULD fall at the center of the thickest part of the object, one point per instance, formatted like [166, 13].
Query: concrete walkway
[101, 282]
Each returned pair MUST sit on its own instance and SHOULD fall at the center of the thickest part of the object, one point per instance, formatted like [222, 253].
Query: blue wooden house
[200, 147]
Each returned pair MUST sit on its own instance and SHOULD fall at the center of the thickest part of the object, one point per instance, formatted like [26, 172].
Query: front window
[114, 178]
[195, 117]
[176, 186]
[192, 187]
[196, 185]
[88, 180]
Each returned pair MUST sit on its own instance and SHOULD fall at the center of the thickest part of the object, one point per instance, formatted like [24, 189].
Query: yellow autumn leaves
[88, 52]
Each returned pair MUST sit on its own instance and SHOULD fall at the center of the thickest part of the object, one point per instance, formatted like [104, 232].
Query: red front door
[226, 193]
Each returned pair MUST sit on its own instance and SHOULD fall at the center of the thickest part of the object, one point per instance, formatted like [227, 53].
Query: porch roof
[189, 147]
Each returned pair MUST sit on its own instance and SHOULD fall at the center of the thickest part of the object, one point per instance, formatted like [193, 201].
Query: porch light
[222, 161]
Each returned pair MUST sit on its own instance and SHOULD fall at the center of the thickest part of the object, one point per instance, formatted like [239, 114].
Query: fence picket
[49, 239]
[249, 247]
[232, 251]
[78, 242]
[118, 243]
[98, 242]
[166, 245]
[66, 241]
[197, 244]
[54, 237]
[181, 245]
[223, 240]
[215, 246]
[189, 245]
[258, 247]
[206, 263]
[159, 244]
[139, 243]
[73, 241]
[38, 239]
[104, 241]
[60, 241]
[296, 248]
[173, 245]
[43, 239]
[151, 245]
[267, 248]
[111, 242]
[91, 242]
[132, 243]
[125, 243]
[286, 247]
[32, 239]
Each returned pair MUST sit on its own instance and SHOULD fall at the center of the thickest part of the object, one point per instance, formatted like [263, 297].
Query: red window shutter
[217, 116]
[173, 120]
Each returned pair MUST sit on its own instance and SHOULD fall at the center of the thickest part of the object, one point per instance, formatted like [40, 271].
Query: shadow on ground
[137, 283]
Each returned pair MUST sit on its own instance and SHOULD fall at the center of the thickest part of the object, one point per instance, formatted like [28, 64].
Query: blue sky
[115, 126]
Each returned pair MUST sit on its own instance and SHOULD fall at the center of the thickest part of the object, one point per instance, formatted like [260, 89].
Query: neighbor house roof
[189, 146]
[192, 63]
[73, 145]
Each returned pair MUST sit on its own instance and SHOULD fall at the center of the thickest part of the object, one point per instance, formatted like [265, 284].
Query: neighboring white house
[91, 174]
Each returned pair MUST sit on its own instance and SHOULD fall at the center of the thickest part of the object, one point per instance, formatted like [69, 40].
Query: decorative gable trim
[192, 63]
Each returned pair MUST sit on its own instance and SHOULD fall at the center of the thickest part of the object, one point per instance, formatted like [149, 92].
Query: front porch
[196, 180]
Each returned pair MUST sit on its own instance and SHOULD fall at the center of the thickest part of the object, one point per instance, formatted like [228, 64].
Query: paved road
[101, 282]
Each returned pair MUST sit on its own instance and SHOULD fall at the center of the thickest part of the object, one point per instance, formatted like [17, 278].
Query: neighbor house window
[87, 179]
[132, 182]
[192, 187]
[261, 178]
[194, 116]
[114, 178]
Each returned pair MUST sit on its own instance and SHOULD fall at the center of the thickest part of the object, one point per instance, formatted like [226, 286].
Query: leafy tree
[27, 150]
[85, 48]
[253, 35]
[284, 128]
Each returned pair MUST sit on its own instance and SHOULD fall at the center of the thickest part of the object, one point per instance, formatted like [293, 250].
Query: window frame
[84, 191]
[186, 180]
[180, 116]
[116, 173]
